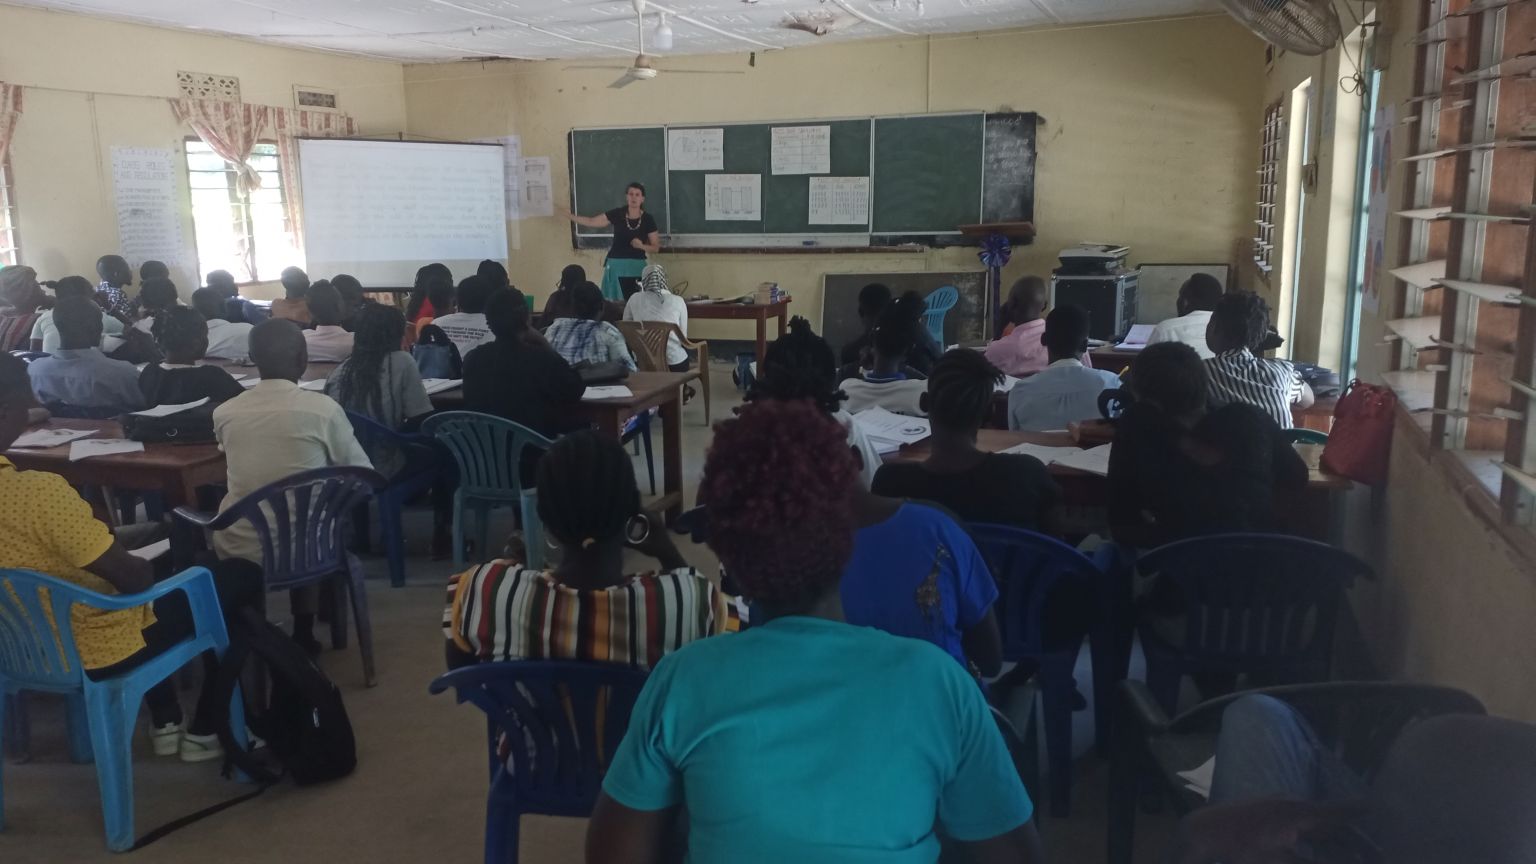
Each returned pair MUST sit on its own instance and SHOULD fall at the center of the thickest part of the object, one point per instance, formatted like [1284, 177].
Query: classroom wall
[92, 84]
[1150, 136]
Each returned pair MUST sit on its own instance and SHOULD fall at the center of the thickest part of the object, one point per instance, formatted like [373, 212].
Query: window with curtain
[249, 237]
[10, 252]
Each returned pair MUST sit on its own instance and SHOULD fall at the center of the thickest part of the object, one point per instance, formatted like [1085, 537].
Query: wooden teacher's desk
[759, 312]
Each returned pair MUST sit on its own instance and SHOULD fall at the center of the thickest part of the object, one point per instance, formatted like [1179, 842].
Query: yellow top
[45, 526]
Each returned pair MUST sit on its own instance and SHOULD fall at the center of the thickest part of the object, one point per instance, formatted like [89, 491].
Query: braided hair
[960, 389]
[778, 482]
[378, 331]
[181, 333]
[799, 365]
[587, 489]
[1242, 318]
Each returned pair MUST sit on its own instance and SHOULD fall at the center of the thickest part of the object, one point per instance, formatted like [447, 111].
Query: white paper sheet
[538, 193]
[168, 410]
[1009, 382]
[1137, 337]
[801, 149]
[1198, 779]
[50, 437]
[1094, 460]
[248, 383]
[889, 432]
[103, 447]
[612, 391]
[1043, 453]
[317, 385]
[839, 201]
[153, 550]
[148, 204]
[696, 149]
[733, 197]
[438, 385]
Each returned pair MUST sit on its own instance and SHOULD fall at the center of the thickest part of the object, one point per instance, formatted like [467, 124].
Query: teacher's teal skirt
[615, 269]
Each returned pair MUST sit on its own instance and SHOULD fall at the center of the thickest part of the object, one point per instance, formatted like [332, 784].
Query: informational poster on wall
[1373, 278]
[733, 197]
[696, 149]
[839, 201]
[512, 173]
[538, 188]
[801, 149]
[148, 220]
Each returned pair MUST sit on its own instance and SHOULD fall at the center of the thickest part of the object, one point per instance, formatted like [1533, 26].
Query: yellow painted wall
[92, 84]
[1150, 136]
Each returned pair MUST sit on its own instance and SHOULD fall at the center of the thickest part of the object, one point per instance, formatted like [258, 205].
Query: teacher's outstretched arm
[598, 221]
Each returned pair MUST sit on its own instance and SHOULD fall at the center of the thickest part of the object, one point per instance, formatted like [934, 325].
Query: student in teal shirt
[807, 739]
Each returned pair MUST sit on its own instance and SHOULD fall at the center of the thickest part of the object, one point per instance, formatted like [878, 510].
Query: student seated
[1178, 470]
[1236, 374]
[78, 380]
[495, 275]
[1021, 352]
[656, 302]
[466, 326]
[153, 269]
[587, 337]
[518, 375]
[379, 381]
[20, 295]
[859, 745]
[560, 303]
[352, 299]
[1066, 391]
[1457, 787]
[860, 353]
[183, 339]
[998, 488]
[328, 342]
[1198, 297]
[227, 340]
[294, 305]
[889, 383]
[45, 336]
[116, 276]
[275, 430]
[1020, 306]
[156, 295]
[48, 528]
[418, 305]
[502, 610]
[237, 310]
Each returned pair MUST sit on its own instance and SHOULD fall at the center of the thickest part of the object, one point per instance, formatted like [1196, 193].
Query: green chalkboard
[927, 173]
[604, 161]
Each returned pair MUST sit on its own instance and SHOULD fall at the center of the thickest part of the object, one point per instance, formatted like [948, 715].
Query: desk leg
[783, 321]
[672, 451]
[610, 424]
[762, 340]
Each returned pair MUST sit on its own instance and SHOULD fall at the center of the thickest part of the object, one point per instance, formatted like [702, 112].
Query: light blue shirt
[1064, 392]
[807, 741]
[85, 378]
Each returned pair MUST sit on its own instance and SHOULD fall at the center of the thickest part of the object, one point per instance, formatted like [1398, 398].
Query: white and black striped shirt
[1272, 386]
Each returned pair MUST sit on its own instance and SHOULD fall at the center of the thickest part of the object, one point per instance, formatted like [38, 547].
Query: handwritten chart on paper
[538, 188]
[148, 224]
[696, 149]
[733, 197]
[839, 201]
[802, 149]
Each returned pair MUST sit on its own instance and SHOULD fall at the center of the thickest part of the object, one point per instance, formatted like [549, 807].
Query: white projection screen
[381, 209]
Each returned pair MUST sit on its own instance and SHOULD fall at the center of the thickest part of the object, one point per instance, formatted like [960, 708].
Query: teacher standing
[634, 235]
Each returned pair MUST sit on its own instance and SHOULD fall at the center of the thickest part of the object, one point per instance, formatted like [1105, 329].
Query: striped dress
[504, 611]
[1272, 386]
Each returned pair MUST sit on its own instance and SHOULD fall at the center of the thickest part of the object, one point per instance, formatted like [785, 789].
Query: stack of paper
[1040, 451]
[612, 391]
[317, 385]
[103, 447]
[1137, 338]
[889, 432]
[1094, 460]
[50, 437]
[438, 385]
[168, 410]
[248, 383]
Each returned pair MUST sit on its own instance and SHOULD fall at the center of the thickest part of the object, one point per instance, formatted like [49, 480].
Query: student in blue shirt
[78, 380]
[846, 744]
[1066, 391]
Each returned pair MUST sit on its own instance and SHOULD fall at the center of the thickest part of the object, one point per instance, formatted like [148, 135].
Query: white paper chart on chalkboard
[839, 201]
[801, 149]
[696, 149]
[733, 197]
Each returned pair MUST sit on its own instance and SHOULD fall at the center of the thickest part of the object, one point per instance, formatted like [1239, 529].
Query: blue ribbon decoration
[995, 251]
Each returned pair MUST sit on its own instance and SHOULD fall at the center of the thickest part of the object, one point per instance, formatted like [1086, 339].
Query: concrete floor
[418, 791]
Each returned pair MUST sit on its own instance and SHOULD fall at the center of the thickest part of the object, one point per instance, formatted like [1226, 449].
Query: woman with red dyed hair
[806, 738]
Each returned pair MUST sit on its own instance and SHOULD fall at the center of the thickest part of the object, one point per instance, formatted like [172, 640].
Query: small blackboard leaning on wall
[965, 324]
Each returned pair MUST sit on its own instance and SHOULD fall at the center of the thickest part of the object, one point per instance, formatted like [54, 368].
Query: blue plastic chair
[562, 721]
[302, 523]
[938, 305]
[1027, 567]
[637, 430]
[426, 463]
[1264, 605]
[489, 453]
[102, 714]
[1306, 436]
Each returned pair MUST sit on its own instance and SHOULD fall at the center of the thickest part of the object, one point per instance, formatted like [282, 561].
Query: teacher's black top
[622, 233]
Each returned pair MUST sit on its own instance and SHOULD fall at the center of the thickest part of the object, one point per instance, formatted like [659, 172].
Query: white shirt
[898, 397]
[269, 432]
[1189, 329]
[328, 343]
[859, 440]
[43, 329]
[467, 330]
[666, 307]
[1064, 392]
[228, 340]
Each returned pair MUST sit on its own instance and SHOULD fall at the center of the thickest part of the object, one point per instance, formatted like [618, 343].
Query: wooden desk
[661, 390]
[173, 470]
[1112, 359]
[759, 312]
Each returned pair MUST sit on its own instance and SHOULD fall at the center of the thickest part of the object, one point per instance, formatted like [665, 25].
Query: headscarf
[653, 278]
[18, 287]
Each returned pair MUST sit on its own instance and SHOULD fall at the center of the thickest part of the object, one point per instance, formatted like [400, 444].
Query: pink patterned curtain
[231, 129]
[10, 112]
[291, 125]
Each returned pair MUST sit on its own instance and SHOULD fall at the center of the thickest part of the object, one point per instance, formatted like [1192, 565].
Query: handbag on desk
[1360, 444]
[607, 372]
[192, 426]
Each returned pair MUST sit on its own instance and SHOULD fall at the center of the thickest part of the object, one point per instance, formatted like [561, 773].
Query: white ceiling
[437, 30]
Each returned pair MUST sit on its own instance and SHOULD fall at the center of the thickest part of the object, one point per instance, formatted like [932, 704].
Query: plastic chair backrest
[1026, 566]
[488, 450]
[301, 521]
[1256, 602]
[376, 438]
[562, 720]
[1306, 436]
[938, 303]
[647, 340]
[30, 654]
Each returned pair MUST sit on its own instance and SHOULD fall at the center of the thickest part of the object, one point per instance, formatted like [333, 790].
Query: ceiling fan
[644, 67]
[1305, 26]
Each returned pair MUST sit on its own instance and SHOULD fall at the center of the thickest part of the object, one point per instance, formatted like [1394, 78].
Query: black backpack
[304, 722]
